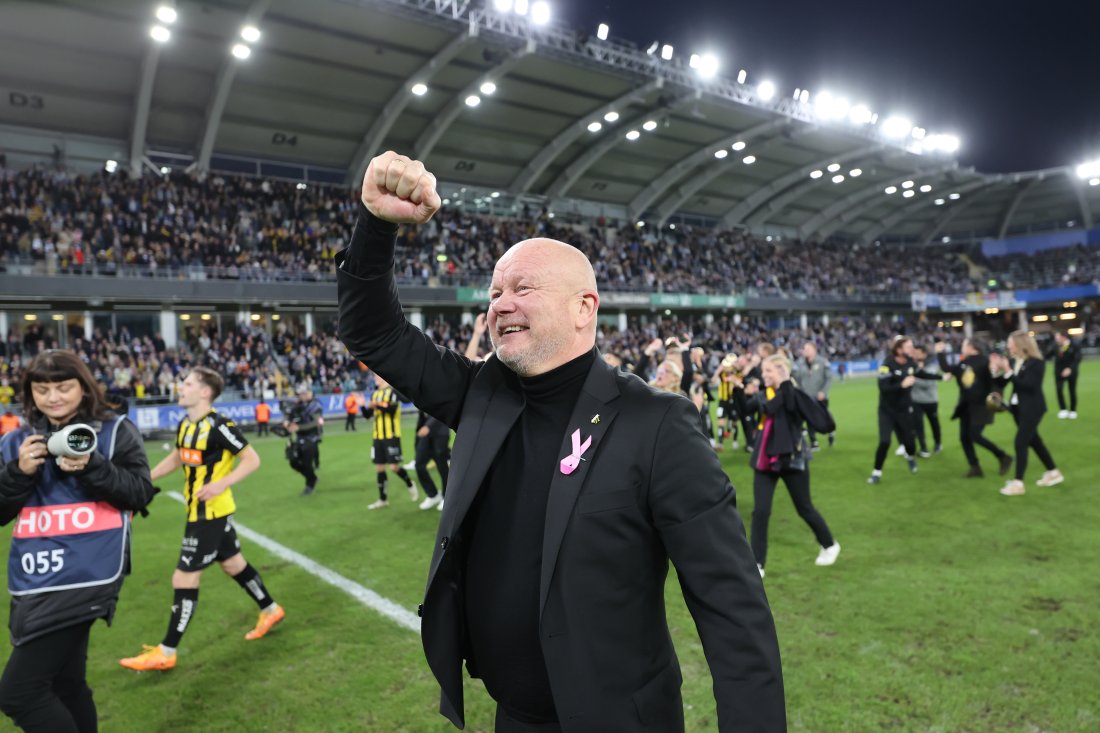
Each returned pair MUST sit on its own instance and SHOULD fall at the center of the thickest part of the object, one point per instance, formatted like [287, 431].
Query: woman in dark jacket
[71, 543]
[1027, 405]
[780, 453]
[975, 383]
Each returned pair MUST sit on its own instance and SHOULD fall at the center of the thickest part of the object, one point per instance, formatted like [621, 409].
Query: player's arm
[169, 465]
[249, 462]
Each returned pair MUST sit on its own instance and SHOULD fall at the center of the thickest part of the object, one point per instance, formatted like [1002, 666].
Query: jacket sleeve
[887, 380]
[947, 368]
[16, 487]
[694, 510]
[124, 480]
[373, 327]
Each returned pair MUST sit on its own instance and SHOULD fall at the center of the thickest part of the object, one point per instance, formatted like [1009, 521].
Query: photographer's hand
[32, 453]
[72, 465]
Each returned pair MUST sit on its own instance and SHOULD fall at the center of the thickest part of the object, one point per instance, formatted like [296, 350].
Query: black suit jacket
[975, 383]
[1027, 402]
[649, 490]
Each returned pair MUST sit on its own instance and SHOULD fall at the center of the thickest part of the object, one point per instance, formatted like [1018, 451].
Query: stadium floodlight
[1089, 169]
[925, 188]
[720, 154]
[503, 6]
[473, 100]
[419, 89]
[907, 184]
[633, 135]
[488, 88]
[602, 31]
[611, 117]
[833, 167]
[947, 240]
[240, 51]
[939, 202]
[694, 60]
[641, 223]
[672, 227]
[954, 196]
[446, 202]
[185, 316]
[160, 34]
[250, 33]
[829, 107]
[838, 178]
[816, 174]
[889, 190]
[919, 133]
[707, 65]
[766, 90]
[896, 127]
[804, 97]
[110, 166]
[521, 7]
[650, 125]
[540, 12]
[909, 194]
[749, 159]
[166, 14]
[860, 114]
[855, 172]
[1094, 181]
[594, 127]
[797, 91]
[666, 52]
[652, 48]
[494, 195]
[165, 170]
[301, 186]
[738, 146]
[742, 75]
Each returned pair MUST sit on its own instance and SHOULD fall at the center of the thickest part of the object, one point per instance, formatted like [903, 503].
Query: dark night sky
[1018, 82]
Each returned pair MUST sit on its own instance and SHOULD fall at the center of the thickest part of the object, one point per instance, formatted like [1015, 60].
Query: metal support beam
[1082, 200]
[851, 207]
[901, 214]
[567, 178]
[1006, 220]
[376, 135]
[738, 213]
[952, 214]
[797, 191]
[428, 139]
[222, 84]
[142, 101]
[661, 184]
[549, 153]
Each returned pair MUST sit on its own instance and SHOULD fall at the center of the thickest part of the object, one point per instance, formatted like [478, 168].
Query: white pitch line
[391, 610]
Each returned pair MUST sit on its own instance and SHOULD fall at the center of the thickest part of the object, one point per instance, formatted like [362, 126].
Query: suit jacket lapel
[599, 389]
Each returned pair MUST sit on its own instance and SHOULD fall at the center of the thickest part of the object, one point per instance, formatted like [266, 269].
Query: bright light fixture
[602, 31]
[165, 170]
[816, 174]
[766, 90]
[666, 52]
[804, 97]
[749, 159]
[906, 184]
[650, 125]
[1090, 169]
[419, 89]
[473, 100]
[738, 146]
[494, 195]
[111, 166]
[594, 127]
[891, 190]
[503, 6]
[241, 51]
[939, 202]
[838, 178]
[720, 154]
[954, 196]
[833, 167]
[250, 33]
[860, 114]
[919, 133]
[947, 240]
[705, 65]
[925, 188]
[829, 107]
[301, 186]
[167, 14]
[611, 117]
[633, 135]
[855, 172]
[1094, 181]
[742, 75]
[641, 223]
[488, 88]
[540, 12]
[521, 7]
[909, 194]
[896, 127]
[160, 34]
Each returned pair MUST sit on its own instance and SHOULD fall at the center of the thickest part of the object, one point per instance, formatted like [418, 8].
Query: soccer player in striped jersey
[206, 445]
[385, 405]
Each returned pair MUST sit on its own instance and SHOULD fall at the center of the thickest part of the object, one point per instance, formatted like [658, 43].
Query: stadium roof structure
[329, 83]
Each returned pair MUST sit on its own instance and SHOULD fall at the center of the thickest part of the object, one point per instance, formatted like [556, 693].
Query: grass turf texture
[951, 608]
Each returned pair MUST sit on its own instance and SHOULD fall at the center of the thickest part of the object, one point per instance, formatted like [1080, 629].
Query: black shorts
[727, 408]
[386, 450]
[207, 540]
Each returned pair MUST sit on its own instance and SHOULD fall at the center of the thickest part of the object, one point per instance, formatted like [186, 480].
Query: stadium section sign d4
[639, 300]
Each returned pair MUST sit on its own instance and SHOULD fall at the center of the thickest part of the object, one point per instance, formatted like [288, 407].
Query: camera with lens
[72, 441]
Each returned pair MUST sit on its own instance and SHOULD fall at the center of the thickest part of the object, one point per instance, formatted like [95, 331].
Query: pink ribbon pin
[570, 462]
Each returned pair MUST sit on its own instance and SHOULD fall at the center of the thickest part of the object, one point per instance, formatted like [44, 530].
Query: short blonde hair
[1025, 344]
[781, 360]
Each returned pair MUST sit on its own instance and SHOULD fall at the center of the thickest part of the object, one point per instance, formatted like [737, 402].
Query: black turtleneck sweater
[504, 546]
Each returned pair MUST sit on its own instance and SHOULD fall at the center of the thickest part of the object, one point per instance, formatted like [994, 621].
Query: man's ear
[588, 306]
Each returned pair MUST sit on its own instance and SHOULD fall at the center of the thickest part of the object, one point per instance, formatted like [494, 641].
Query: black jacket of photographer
[308, 416]
[124, 483]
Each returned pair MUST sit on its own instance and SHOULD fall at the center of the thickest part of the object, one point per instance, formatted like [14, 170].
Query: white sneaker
[900, 451]
[431, 501]
[1073, 415]
[413, 493]
[736, 445]
[1013, 488]
[1051, 478]
[439, 506]
[827, 556]
[410, 466]
[761, 569]
[380, 504]
[1063, 414]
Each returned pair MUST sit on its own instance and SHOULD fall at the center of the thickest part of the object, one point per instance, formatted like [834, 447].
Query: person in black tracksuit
[975, 384]
[1067, 363]
[896, 377]
[1028, 407]
[61, 581]
[433, 440]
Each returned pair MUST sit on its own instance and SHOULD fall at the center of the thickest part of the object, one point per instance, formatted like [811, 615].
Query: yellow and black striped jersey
[725, 387]
[207, 449]
[387, 418]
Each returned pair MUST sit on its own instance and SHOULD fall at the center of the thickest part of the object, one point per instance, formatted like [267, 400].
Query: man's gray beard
[524, 363]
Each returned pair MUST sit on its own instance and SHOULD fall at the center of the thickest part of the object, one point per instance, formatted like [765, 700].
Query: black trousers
[306, 456]
[763, 491]
[507, 724]
[1071, 380]
[349, 423]
[262, 429]
[1027, 436]
[930, 410]
[429, 448]
[971, 435]
[813, 436]
[892, 422]
[44, 687]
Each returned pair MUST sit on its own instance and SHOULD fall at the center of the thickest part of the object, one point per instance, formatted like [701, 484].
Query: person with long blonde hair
[1027, 405]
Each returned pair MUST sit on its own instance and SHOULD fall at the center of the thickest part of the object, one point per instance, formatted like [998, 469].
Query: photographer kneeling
[71, 488]
[302, 422]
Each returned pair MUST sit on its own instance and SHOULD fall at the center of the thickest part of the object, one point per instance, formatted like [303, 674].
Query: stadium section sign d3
[639, 300]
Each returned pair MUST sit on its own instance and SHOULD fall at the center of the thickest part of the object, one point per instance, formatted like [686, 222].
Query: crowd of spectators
[229, 227]
[1077, 264]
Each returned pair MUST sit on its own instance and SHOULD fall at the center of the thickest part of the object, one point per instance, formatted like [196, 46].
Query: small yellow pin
[596, 419]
